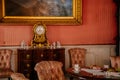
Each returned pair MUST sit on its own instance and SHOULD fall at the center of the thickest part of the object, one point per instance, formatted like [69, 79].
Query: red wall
[98, 27]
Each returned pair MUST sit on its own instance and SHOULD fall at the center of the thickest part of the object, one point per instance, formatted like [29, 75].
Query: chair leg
[71, 78]
[9, 78]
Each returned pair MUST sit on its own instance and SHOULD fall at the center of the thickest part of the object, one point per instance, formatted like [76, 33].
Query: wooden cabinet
[25, 62]
[27, 58]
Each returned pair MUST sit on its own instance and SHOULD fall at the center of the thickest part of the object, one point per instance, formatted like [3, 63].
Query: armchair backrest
[115, 61]
[77, 56]
[49, 70]
[5, 58]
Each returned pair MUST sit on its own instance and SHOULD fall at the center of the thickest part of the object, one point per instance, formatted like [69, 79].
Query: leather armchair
[5, 63]
[77, 56]
[49, 70]
[115, 61]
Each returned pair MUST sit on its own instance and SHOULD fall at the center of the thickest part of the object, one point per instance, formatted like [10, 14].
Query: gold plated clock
[39, 38]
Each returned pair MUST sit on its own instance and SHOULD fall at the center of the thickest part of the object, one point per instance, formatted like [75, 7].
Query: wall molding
[96, 54]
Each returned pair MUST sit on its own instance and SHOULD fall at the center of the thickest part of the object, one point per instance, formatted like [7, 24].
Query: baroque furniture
[27, 59]
[49, 70]
[5, 63]
[77, 56]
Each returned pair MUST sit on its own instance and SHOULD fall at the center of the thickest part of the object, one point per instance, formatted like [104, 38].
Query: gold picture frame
[74, 19]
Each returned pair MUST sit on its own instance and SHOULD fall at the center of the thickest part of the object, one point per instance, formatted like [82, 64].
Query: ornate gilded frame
[76, 17]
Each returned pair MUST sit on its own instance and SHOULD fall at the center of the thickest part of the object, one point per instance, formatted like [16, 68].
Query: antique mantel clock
[39, 38]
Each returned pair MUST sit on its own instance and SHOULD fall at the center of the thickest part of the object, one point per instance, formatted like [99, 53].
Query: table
[88, 76]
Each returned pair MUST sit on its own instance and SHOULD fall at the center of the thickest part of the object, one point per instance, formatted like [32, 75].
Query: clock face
[39, 29]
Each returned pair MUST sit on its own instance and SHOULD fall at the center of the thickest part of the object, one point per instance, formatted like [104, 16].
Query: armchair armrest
[18, 76]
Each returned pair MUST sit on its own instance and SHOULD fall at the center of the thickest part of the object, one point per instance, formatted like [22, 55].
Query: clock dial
[40, 30]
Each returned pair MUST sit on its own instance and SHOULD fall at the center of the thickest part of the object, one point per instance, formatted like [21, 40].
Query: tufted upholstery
[115, 61]
[5, 63]
[49, 70]
[77, 56]
[18, 76]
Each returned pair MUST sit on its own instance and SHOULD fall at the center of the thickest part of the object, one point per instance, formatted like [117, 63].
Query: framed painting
[55, 12]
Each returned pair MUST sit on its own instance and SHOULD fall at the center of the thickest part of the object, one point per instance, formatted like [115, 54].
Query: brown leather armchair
[77, 56]
[49, 70]
[5, 63]
[115, 62]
